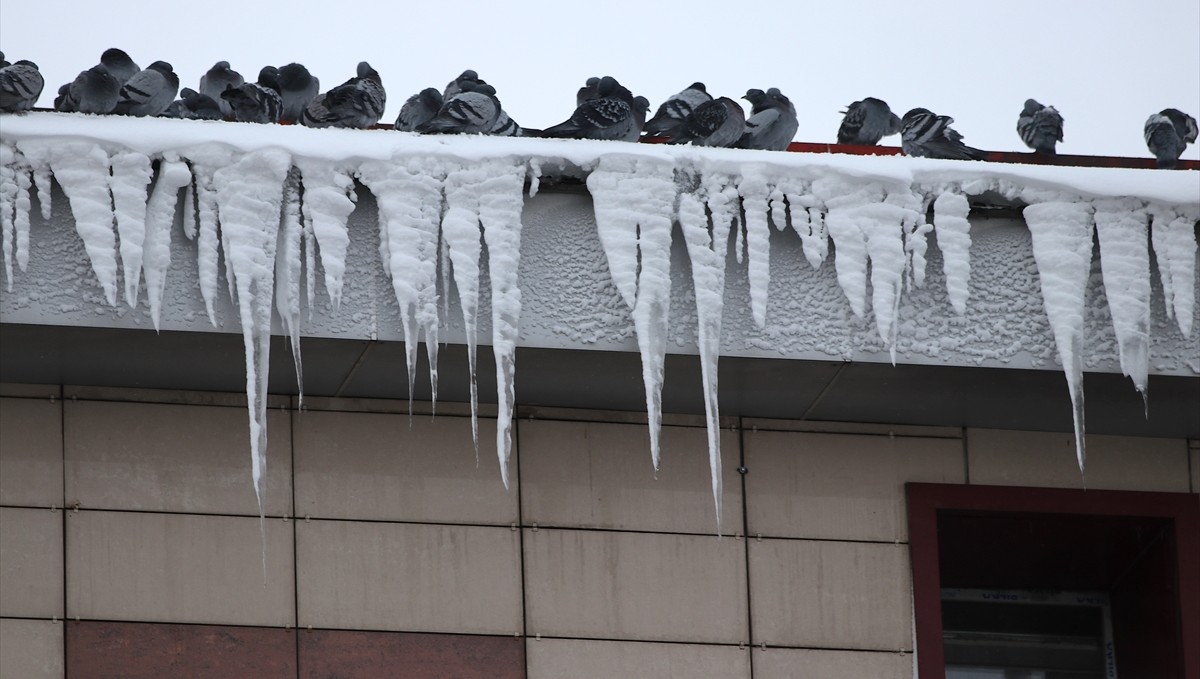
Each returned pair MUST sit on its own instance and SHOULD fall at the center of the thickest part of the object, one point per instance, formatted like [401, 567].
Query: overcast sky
[1106, 65]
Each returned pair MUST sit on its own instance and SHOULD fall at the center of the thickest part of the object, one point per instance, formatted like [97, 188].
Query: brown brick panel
[125, 650]
[330, 654]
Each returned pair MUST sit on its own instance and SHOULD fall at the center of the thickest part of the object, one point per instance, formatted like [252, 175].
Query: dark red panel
[343, 654]
[136, 650]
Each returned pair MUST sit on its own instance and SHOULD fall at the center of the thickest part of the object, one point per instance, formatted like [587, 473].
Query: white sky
[1106, 65]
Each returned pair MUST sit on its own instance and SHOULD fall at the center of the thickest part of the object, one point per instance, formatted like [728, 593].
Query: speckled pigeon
[719, 122]
[671, 113]
[1168, 133]
[1040, 127]
[924, 133]
[357, 103]
[610, 116]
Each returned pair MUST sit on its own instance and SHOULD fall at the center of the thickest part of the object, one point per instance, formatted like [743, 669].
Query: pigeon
[928, 135]
[195, 106]
[4, 63]
[772, 122]
[867, 122]
[254, 103]
[675, 109]
[357, 103]
[1168, 133]
[418, 110]
[150, 92]
[472, 111]
[218, 79]
[719, 122]
[609, 116]
[93, 91]
[21, 84]
[1040, 127]
[506, 127]
[468, 81]
[119, 64]
[297, 87]
[589, 91]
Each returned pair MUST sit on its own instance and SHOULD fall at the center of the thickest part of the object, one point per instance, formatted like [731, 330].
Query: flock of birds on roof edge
[468, 105]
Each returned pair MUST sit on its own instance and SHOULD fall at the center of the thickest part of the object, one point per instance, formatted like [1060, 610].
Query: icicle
[754, 192]
[1062, 248]
[82, 170]
[208, 248]
[843, 203]
[500, 206]
[328, 201]
[1174, 239]
[130, 178]
[310, 266]
[173, 175]
[815, 239]
[916, 244]
[779, 208]
[1121, 225]
[708, 253]
[287, 272]
[634, 202]
[249, 193]
[8, 200]
[462, 245]
[409, 193]
[950, 212]
[189, 211]
[535, 176]
[41, 180]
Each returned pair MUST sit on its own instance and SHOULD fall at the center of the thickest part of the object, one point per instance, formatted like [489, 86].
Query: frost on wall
[449, 207]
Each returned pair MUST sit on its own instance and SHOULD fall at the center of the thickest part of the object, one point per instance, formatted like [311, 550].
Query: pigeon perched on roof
[675, 109]
[719, 122]
[419, 109]
[254, 103]
[297, 87]
[119, 64]
[21, 84]
[194, 106]
[472, 111]
[466, 82]
[218, 79]
[613, 115]
[357, 103]
[867, 122]
[1168, 133]
[589, 91]
[1040, 127]
[925, 134]
[92, 91]
[772, 122]
[4, 62]
[149, 92]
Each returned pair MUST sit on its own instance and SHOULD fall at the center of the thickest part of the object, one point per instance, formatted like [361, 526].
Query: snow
[266, 199]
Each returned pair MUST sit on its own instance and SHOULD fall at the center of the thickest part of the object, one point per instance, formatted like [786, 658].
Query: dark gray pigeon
[254, 103]
[357, 103]
[119, 64]
[93, 91]
[418, 110]
[471, 111]
[1040, 127]
[867, 122]
[4, 62]
[719, 122]
[194, 106]
[589, 91]
[772, 122]
[297, 87]
[218, 79]
[466, 82]
[615, 114]
[925, 134]
[672, 112]
[150, 92]
[1168, 133]
[21, 84]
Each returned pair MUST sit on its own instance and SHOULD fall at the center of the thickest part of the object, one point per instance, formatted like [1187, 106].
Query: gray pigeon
[1040, 127]
[466, 82]
[418, 110]
[1168, 133]
[150, 92]
[772, 122]
[867, 122]
[614, 114]
[589, 91]
[297, 87]
[719, 122]
[357, 103]
[4, 62]
[253, 103]
[925, 134]
[194, 106]
[471, 111]
[21, 84]
[218, 79]
[119, 64]
[675, 109]
[93, 91]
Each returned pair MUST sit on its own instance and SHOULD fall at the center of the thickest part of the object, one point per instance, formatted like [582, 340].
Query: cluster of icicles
[269, 214]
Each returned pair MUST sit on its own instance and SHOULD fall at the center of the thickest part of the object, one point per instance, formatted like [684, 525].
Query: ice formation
[275, 203]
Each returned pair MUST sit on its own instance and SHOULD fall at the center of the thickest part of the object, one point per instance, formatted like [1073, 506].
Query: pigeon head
[365, 71]
[162, 67]
[269, 77]
[913, 113]
[113, 55]
[875, 102]
[294, 75]
[1031, 107]
[187, 92]
[98, 75]
[592, 82]
[25, 62]
[607, 86]
[220, 66]
[468, 75]
[641, 104]
[1185, 125]
[484, 88]
[698, 86]
[754, 96]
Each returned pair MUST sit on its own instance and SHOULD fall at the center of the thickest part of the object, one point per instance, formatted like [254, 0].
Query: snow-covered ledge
[387, 235]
